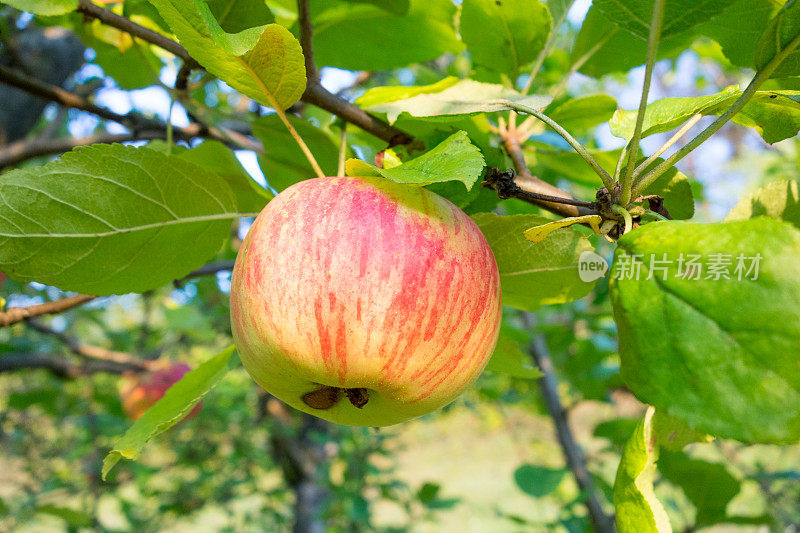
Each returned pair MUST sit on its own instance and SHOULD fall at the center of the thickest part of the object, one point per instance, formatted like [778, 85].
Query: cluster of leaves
[715, 355]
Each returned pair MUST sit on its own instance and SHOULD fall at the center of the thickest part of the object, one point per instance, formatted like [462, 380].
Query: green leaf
[776, 114]
[781, 31]
[264, 63]
[679, 15]
[217, 158]
[635, 504]
[393, 93]
[558, 9]
[709, 496]
[535, 274]
[398, 7]
[455, 159]
[605, 48]
[44, 7]
[476, 200]
[466, 97]
[669, 113]
[238, 15]
[510, 359]
[538, 481]
[283, 162]
[738, 29]
[504, 36]
[584, 112]
[779, 200]
[367, 37]
[111, 219]
[176, 403]
[720, 354]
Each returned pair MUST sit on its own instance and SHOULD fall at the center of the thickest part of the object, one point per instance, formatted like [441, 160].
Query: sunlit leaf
[58, 225]
[703, 334]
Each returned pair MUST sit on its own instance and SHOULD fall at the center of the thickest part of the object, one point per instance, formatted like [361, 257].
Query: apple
[2, 278]
[363, 301]
[140, 391]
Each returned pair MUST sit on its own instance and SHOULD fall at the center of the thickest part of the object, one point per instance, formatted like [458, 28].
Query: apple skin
[363, 283]
[140, 391]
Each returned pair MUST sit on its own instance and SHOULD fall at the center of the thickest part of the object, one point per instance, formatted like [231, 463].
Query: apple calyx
[327, 396]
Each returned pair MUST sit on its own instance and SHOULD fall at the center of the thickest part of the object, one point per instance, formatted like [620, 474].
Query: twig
[652, 49]
[25, 149]
[576, 66]
[562, 85]
[209, 269]
[505, 186]
[110, 18]
[548, 46]
[531, 184]
[56, 94]
[548, 385]
[668, 144]
[87, 351]
[182, 78]
[314, 94]
[134, 121]
[18, 314]
[59, 366]
[306, 39]
[578, 147]
[760, 77]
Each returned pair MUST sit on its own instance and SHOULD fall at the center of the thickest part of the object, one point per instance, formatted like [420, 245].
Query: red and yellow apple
[140, 391]
[363, 301]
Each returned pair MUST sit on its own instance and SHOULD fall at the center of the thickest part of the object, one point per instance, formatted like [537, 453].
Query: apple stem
[326, 397]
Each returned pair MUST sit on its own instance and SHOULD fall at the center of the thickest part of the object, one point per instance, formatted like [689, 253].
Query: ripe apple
[363, 301]
[140, 391]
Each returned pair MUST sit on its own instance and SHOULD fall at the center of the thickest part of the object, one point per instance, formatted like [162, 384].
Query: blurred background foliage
[488, 462]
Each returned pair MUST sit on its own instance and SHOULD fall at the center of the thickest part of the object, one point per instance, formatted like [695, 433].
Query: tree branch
[578, 147]
[110, 18]
[59, 366]
[209, 269]
[90, 352]
[314, 94]
[548, 385]
[319, 96]
[505, 186]
[65, 98]
[142, 127]
[22, 150]
[18, 314]
[531, 184]
[307, 39]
